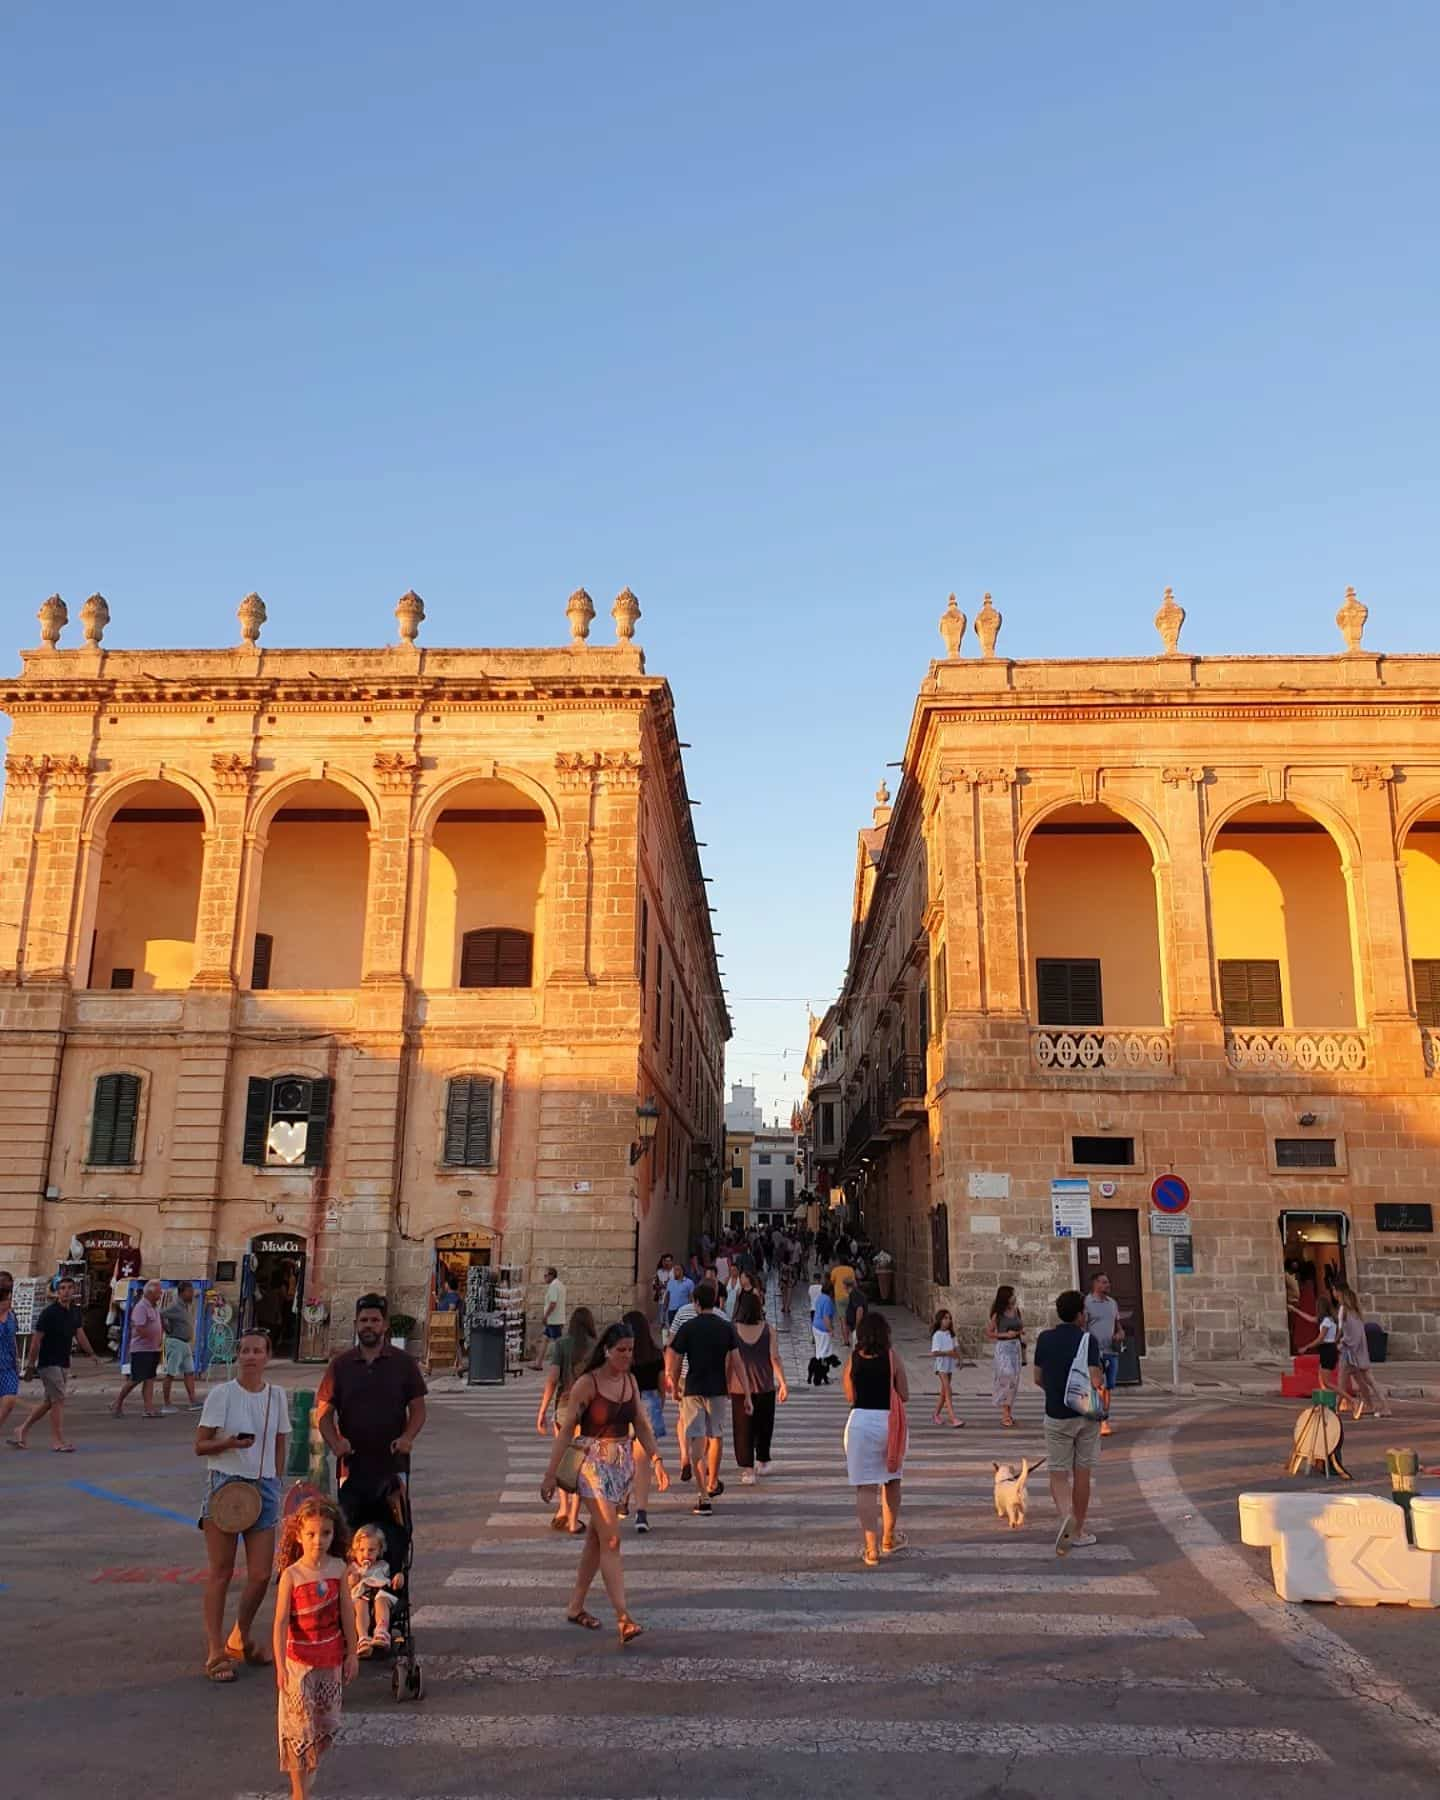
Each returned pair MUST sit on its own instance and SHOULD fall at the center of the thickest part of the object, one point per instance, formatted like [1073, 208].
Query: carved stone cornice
[233, 773]
[24, 771]
[575, 770]
[992, 779]
[622, 770]
[1183, 775]
[68, 774]
[1372, 775]
[395, 771]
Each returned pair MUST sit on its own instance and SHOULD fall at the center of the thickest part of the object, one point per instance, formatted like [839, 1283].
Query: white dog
[1010, 1490]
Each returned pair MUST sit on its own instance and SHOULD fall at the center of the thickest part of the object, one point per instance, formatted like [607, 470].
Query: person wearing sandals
[243, 1435]
[1006, 1331]
[1357, 1384]
[942, 1354]
[147, 1337]
[57, 1327]
[648, 1366]
[564, 1359]
[871, 1374]
[604, 1407]
[9, 1348]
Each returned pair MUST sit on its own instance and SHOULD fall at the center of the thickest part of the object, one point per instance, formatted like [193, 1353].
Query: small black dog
[820, 1367]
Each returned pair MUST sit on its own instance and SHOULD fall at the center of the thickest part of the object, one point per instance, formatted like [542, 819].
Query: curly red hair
[314, 1507]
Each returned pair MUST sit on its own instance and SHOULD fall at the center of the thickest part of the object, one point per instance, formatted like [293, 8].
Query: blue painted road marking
[159, 1512]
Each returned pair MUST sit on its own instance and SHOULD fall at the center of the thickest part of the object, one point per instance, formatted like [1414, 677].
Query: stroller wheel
[406, 1681]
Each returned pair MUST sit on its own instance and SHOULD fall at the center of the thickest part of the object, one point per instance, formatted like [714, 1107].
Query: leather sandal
[629, 1630]
[586, 1621]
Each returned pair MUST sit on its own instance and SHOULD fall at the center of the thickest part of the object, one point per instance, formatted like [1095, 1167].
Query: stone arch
[432, 802]
[108, 799]
[139, 881]
[1334, 822]
[1144, 821]
[306, 886]
[270, 798]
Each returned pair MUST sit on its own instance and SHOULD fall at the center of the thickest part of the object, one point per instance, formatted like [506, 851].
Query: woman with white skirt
[1006, 1331]
[871, 1375]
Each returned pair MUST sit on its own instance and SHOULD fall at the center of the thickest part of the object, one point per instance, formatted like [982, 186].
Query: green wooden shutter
[260, 964]
[257, 1122]
[1067, 991]
[1250, 992]
[113, 1121]
[513, 951]
[469, 1110]
[1427, 990]
[317, 1122]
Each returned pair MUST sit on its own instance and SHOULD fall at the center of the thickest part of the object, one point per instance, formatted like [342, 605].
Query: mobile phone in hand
[247, 1438]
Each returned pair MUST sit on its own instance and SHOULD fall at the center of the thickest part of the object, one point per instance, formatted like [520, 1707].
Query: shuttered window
[940, 1245]
[1067, 990]
[940, 993]
[1250, 993]
[1305, 1153]
[297, 1102]
[469, 1117]
[122, 978]
[495, 959]
[260, 963]
[1427, 991]
[114, 1121]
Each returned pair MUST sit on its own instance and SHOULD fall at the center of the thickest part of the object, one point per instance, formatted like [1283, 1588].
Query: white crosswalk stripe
[767, 1599]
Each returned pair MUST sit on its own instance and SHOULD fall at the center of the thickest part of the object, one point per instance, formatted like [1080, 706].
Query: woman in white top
[244, 1432]
[1356, 1380]
[1325, 1344]
[942, 1354]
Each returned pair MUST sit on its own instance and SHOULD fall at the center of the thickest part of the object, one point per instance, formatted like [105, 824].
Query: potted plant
[885, 1275]
[401, 1325]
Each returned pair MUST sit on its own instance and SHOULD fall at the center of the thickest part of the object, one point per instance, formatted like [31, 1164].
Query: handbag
[898, 1435]
[1081, 1394]
[235, 1506]
[567, 1470]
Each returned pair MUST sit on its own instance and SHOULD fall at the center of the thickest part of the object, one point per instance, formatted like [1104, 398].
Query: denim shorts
[1110, 1362]
[270, 1486]
[655, 1406]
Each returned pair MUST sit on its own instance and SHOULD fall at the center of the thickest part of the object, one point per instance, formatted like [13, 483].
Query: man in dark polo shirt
[371, 1402]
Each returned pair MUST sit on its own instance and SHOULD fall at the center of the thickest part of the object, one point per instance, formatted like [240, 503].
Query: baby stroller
[385, 1502]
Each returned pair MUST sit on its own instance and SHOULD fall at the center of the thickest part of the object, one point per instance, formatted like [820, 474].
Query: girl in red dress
[315, 1638]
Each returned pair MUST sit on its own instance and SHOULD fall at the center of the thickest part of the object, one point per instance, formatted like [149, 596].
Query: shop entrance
[272, 1289]
[1113, 1249]
[106, 1257]
[1314, 1267]
[455, 1255]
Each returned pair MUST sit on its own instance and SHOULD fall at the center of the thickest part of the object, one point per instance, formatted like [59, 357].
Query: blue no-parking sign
[1170, 1194]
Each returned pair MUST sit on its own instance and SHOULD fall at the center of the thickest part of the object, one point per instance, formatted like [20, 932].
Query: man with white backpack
[1069, 1368]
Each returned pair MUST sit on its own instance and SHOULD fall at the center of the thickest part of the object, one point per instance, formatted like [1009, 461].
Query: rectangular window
[1107, 1152]
[789, 1193]
[469, 1111]
[940, 991]
[495, 959]
[827, 1121]
[113, 1122]
[287, 1120]
[762, 1192]
[260, 961]
[940, 1245]
[1427, 990]
[764, 1158]
[122, 978]
[737, 1177]
[1305, 1153]
[659, 986]
[1067, 990]
[670, 1038]
[644, 947]
[1250, 993]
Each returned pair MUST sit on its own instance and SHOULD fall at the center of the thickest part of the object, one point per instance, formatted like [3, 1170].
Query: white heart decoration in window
[286, 1143]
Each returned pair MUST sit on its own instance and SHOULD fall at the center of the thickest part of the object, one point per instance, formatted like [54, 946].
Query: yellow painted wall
[149, 895]
[1420, 863]
[1095, 896]
[312, 902]
[1282, 898]
[481, 874]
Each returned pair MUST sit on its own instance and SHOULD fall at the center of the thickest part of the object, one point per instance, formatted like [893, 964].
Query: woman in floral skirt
[605, 1404]
[1006, 1331]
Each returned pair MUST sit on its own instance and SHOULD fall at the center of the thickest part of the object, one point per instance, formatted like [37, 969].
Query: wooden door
[1114, 1250]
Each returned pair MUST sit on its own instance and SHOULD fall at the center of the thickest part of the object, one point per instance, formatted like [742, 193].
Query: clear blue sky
[793, 317]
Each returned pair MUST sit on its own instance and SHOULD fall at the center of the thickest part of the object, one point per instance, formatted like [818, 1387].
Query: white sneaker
[1084, 1540]
[1065, 1537]
[762, 1468]
[747, 1478]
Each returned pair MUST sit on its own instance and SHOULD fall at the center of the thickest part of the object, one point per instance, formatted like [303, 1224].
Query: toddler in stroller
[378, 1514]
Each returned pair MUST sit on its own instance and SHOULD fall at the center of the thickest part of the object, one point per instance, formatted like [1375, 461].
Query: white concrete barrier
[1347, 1548]
[1425, 1519]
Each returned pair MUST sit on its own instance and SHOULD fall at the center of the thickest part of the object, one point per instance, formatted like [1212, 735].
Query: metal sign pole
[1174, 1324]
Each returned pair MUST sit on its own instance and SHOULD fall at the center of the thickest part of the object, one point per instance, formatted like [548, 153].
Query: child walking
[315, 1640]
[942, 1354]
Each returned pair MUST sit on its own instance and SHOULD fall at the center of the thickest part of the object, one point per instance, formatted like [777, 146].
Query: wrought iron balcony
[905, 1086]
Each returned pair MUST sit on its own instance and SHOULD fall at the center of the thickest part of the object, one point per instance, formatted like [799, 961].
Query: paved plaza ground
[772, 1662]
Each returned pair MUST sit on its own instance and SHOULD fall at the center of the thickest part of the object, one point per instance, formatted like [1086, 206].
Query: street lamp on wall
[647, 1118]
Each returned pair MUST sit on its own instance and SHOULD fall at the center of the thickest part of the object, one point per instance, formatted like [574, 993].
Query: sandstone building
[325, 968]
[1135, 916]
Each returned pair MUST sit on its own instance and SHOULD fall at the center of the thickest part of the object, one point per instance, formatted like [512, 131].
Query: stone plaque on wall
[984, 1186]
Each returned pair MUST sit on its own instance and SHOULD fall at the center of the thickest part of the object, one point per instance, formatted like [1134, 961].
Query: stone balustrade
[1102, 1050]
[1313, 1051]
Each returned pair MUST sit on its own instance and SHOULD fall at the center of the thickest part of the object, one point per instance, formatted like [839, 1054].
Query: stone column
[955, 861]
[46, 952]
[220, 956]
[1379, 946]
[1189, 953]
[387, 894]
[19, 826]
[1002, 933]
[569, 870]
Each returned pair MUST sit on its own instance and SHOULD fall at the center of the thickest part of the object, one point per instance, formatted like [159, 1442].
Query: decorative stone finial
[625, 612]
[1351, 620]
[952, 628]
[251, 614]
[579, 610]
[54, 616]
[409, 611]
[95, 616]
[988, 621]
[1168, 621]
[881, 814]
